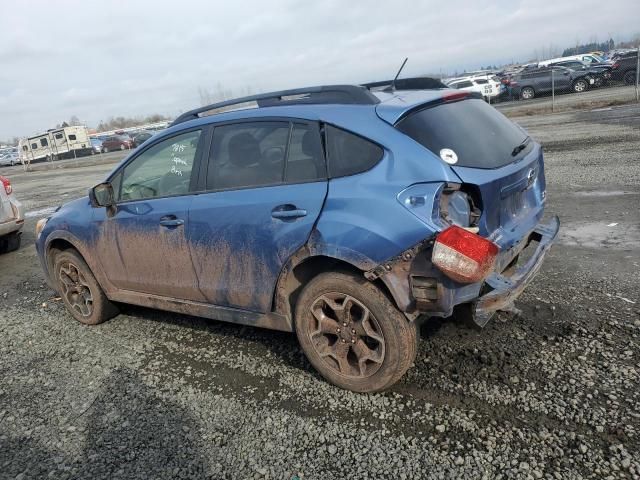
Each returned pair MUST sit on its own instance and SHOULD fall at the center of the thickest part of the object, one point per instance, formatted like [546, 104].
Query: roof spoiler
[414, 83]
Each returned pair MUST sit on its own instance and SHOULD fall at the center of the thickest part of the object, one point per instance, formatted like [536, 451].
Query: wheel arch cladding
[303, 266]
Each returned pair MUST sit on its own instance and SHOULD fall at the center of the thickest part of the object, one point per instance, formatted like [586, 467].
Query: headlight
[40, 225]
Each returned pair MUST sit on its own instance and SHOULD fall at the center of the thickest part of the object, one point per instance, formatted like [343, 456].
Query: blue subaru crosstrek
[344, 213]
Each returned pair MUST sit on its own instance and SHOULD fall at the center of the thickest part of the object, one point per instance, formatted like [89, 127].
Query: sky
[99, 59]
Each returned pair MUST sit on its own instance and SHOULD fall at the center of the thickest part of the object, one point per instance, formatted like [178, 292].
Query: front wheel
[122, 147]
[80, 291]
[352, 333]
[105, 150]
[580, 86]
[527, 93]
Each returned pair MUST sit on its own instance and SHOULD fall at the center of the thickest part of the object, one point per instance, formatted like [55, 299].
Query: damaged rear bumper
[506, 288]
[420, 288]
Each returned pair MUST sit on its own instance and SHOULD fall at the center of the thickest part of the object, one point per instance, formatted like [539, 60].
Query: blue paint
[230, 250]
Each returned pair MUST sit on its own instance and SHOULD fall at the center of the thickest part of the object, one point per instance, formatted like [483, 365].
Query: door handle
[288, 211]
[171, 221]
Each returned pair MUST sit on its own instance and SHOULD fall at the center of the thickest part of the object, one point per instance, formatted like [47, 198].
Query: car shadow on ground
[127, 431]
[283, 345]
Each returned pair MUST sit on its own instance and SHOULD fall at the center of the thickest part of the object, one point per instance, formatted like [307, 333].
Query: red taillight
[464, 256]
[7, 184]
[453, 96]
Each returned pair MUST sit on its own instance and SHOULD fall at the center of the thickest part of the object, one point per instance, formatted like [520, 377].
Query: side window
[349, 154]
[44, 142]
[58, 136]
[72, 137]
[247, 155]
[162, 170]
[25, 148]
[34, 146]
[305, 161]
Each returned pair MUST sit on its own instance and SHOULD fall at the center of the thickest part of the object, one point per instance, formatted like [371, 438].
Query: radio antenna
[393, 84]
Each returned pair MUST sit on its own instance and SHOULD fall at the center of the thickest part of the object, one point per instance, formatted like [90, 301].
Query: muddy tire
[10, 242]
[352, 334]
[629, 78]
[80, 291]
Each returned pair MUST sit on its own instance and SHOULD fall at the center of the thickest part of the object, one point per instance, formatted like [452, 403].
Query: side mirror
[102, 195]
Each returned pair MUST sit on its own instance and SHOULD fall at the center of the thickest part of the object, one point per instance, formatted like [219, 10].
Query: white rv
[57, 143]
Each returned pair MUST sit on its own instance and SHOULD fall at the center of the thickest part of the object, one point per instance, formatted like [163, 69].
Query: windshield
[477, 133]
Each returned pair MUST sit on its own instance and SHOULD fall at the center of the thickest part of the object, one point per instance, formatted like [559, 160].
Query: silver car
[9, 159]
[11, 217]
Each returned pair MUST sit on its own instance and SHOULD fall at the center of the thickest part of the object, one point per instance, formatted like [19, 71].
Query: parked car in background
[96, 145]
[488, 86]
[536, 81]
[11, 217]
[342, 214]
[601, 73]
[140, 137]
[624, 68]
[9, 159]
[117, 142]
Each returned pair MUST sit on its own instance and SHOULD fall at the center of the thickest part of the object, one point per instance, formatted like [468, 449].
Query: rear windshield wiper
[520, 147]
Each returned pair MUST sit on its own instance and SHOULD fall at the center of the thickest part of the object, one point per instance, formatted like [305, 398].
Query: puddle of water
[43, 212]
[602, 234]
[603, 193]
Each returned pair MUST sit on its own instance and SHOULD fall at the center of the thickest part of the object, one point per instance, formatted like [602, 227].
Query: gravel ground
[551, 391]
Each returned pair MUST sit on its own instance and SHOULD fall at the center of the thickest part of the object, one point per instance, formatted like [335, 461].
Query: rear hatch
[494, 158]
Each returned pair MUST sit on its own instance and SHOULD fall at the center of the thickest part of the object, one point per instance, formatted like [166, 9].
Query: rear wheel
[80, 291]
[580, 86]
[527, 93]
[352, 333]
[105, 150]
[122, 147]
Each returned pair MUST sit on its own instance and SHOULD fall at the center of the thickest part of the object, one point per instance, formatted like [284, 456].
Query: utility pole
[553, 91]
[637, 74]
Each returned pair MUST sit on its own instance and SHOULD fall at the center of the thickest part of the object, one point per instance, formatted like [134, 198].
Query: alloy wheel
[75, 289]
[346, 335]
[580, 86]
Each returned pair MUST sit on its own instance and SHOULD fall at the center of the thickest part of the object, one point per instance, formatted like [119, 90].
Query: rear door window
[305, 160]
[348, 154]
[258, 154]
[480, 136]
[247, 155]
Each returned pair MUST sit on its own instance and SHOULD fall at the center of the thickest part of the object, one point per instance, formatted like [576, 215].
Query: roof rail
[414, 83]
[341, 94]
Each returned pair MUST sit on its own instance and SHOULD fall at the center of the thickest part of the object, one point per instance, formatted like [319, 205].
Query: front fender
[47, 261]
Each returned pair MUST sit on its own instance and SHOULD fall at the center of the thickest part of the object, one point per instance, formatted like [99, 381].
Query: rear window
[480, 136]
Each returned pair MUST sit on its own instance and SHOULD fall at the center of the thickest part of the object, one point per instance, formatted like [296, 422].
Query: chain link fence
[560, 84]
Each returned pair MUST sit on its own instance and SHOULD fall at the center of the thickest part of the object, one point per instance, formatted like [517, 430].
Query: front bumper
[506, 288]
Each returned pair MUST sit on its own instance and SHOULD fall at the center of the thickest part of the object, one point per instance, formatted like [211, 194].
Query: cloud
[97, 59]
